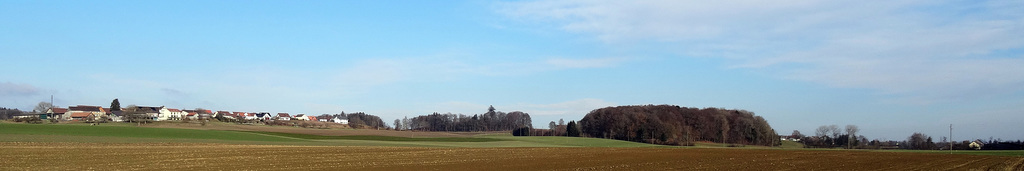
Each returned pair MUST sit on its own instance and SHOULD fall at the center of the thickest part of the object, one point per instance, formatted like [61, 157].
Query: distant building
[977, 144]
[283, 116]
[338, 119]
[82, 111]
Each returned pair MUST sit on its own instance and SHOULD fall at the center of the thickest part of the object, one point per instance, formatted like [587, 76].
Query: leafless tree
[822, 131]
[796, 134]
[42, 107]
[851, 133]
[398, 124]
[834, 130]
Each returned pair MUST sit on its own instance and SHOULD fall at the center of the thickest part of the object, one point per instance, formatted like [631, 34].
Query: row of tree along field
[668, 125]
[674, 125]
[832, 136]
[493, 120]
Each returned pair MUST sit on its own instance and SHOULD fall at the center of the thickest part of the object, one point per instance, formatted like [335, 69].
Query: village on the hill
[133, 113]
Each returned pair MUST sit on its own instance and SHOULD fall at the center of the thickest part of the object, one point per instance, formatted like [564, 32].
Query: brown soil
[78, 156]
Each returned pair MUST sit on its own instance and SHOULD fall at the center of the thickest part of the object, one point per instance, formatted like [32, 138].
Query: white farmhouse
[338, 119]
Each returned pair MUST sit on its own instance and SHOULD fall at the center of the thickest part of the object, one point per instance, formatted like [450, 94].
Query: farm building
[283, 117]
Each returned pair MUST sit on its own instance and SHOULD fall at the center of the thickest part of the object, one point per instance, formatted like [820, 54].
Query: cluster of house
[83, 112]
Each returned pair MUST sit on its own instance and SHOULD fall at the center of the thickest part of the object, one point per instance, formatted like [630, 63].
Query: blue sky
[893, 68]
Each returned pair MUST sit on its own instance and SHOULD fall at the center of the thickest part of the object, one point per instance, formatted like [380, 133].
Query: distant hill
[674, 125]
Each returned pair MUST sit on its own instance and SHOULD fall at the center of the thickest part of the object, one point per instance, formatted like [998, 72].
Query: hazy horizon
[892, 68]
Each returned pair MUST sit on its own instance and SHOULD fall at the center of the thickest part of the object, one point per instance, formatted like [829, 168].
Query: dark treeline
[6, 113]
[674, 125]
[360, 120]
[491, 121]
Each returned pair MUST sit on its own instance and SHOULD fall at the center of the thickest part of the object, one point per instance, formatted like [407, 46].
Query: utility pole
[950, 138]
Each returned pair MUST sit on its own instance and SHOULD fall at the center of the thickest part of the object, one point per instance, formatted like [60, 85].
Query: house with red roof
[283, 117]
[56, 112]
[222, 114]
[77, 116]
[171, 114]
[301, 117]
[82, 111]
[192, 115]
[244, 115]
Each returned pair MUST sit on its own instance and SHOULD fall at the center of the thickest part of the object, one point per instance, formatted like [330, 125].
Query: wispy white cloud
[578, 107]
[925, 51]
[15, 89]
[372, 72]
[584, 63]
[173, 92]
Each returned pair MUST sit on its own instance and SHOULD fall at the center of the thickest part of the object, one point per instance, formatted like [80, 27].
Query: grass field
[129, 147]
[127, 133]
[131, 132]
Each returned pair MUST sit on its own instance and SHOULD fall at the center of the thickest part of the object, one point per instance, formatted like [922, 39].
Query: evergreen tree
[115, 105]
[572, 130]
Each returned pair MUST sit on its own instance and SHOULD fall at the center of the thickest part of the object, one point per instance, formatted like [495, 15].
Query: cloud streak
[924, 50]
[584, 62]
[14, 89]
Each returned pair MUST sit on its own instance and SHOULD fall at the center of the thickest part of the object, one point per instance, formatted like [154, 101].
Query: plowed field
[110, 156]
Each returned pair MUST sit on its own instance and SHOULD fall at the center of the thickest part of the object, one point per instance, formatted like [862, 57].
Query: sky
[892, 68]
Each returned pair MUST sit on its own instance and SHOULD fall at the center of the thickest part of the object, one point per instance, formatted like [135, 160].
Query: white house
[171, 114]
[283, 116]
[246, 116]
[192, 115]
[340, 120]
[977, 144]
[301, 117]
[263, 116]
[57, 113]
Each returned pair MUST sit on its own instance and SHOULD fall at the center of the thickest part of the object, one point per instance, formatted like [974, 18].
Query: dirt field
[105, 156]
[312, 131]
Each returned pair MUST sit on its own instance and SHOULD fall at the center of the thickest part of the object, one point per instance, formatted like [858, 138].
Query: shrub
[32, 120]
[524, 131]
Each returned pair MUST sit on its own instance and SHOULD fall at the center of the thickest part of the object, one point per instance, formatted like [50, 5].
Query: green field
[380, 138]
[126, 133]
[120, 131]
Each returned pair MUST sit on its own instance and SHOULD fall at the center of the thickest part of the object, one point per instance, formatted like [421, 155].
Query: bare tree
[822, 131]
[42, 106]
[834, 130]
[796, 134]
[851, 134]
[398, 124]
[919, 141]
[562, 122]
[552, 125]
[405, 123]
